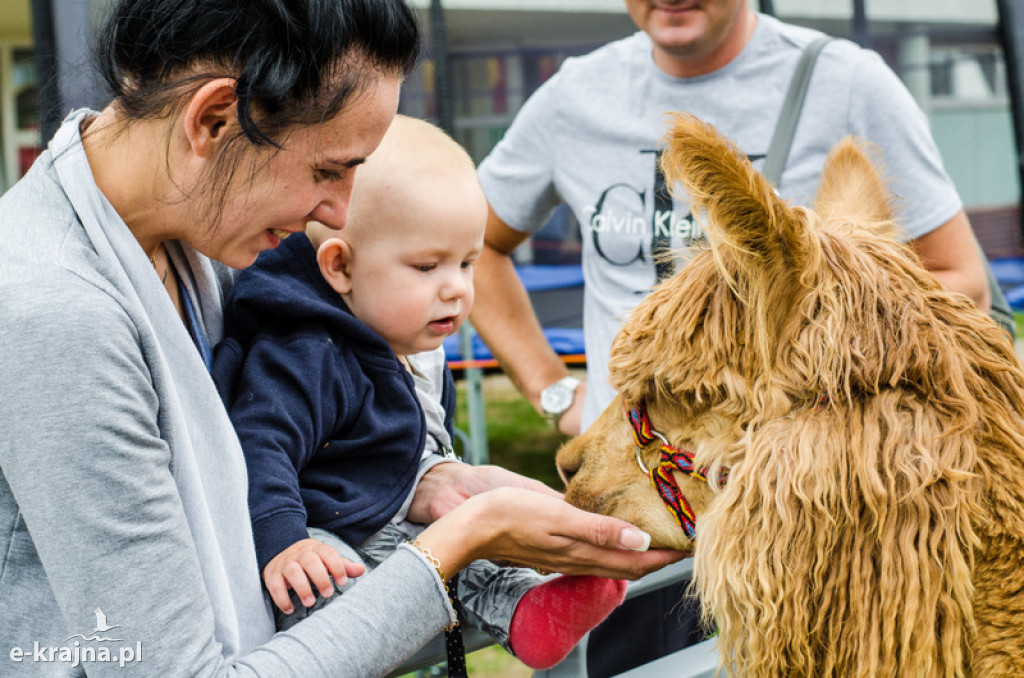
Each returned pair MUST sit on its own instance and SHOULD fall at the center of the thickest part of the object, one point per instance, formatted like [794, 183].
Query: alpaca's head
[789, 311]
[810, 354]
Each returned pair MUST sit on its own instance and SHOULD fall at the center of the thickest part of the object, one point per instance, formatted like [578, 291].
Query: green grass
[495, 662]
[490, 662]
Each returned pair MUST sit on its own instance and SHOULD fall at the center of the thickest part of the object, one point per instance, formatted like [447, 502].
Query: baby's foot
[552, 617]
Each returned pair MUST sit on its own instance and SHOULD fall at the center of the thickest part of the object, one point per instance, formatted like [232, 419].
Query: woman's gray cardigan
[122, 485]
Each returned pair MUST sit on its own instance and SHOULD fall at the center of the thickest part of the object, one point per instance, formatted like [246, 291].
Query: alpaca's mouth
[604, 504]
[588, 502]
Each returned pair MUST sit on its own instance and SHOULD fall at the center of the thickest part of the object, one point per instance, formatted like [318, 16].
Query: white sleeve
[884, 113]
[518, 174]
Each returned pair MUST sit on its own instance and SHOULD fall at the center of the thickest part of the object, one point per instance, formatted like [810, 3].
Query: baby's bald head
[417, 166]
[403, 263]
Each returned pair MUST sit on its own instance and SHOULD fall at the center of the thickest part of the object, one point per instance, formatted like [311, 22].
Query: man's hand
[447, 485]
[309, 560]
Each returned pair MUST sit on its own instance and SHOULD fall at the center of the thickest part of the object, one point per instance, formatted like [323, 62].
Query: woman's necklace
[163, 279]
[170, 283]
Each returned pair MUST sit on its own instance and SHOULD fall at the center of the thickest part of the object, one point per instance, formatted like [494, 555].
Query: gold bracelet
[432, 559]
[415, 543]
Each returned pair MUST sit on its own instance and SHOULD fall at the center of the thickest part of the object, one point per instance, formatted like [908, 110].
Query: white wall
[932, 11]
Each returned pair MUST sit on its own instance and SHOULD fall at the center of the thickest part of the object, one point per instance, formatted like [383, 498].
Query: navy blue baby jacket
[327, 416]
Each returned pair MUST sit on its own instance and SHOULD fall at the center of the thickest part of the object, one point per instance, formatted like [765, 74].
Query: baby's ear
[334, 257]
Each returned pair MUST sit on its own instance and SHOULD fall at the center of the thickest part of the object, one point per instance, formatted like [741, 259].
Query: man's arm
[505, 319]
[952, 254]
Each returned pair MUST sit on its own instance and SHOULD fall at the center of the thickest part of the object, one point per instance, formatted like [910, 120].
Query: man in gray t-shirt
[590, 138]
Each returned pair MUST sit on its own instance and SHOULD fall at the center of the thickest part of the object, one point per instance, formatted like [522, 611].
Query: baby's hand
[306, 561]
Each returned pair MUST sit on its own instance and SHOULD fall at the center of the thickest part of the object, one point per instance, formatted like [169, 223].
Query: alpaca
[854, 494]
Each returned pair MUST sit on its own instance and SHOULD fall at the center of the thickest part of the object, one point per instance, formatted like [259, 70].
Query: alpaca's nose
[566, 474]
[568, 460]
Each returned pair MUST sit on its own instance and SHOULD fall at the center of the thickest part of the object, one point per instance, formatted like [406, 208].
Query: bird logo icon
[101, 627]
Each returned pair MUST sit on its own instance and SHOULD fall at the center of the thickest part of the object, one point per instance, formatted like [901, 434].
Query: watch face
[556, 398]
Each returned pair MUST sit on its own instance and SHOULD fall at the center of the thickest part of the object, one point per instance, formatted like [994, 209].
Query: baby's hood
[284, 290]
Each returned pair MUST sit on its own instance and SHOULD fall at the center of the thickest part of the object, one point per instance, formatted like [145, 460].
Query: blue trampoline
[1009, 273]
[557, 295]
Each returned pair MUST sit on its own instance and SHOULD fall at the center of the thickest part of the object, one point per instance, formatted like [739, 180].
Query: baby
[333, 372]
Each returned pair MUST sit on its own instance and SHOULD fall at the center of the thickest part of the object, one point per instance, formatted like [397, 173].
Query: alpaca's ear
[744, 215]
[852, 187]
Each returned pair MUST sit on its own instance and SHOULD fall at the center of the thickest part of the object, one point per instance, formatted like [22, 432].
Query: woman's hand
[541, 531]
[445, 486]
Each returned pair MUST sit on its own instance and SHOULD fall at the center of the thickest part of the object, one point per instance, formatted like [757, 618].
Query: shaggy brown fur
[872, 523]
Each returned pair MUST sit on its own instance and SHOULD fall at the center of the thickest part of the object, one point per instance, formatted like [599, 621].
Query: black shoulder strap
[778, 150]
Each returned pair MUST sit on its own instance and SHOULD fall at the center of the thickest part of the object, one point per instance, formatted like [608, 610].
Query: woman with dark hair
[122, 485]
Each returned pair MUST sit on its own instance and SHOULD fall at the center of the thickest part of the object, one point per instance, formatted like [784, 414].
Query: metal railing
[697, 661]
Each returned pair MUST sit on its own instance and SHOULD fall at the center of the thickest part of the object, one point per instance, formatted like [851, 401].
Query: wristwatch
[557, 398]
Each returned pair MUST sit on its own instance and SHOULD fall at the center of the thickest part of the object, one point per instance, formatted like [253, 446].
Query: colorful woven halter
[672, 459]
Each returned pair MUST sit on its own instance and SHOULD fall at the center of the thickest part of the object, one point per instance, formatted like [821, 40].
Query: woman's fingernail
[634, 540]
